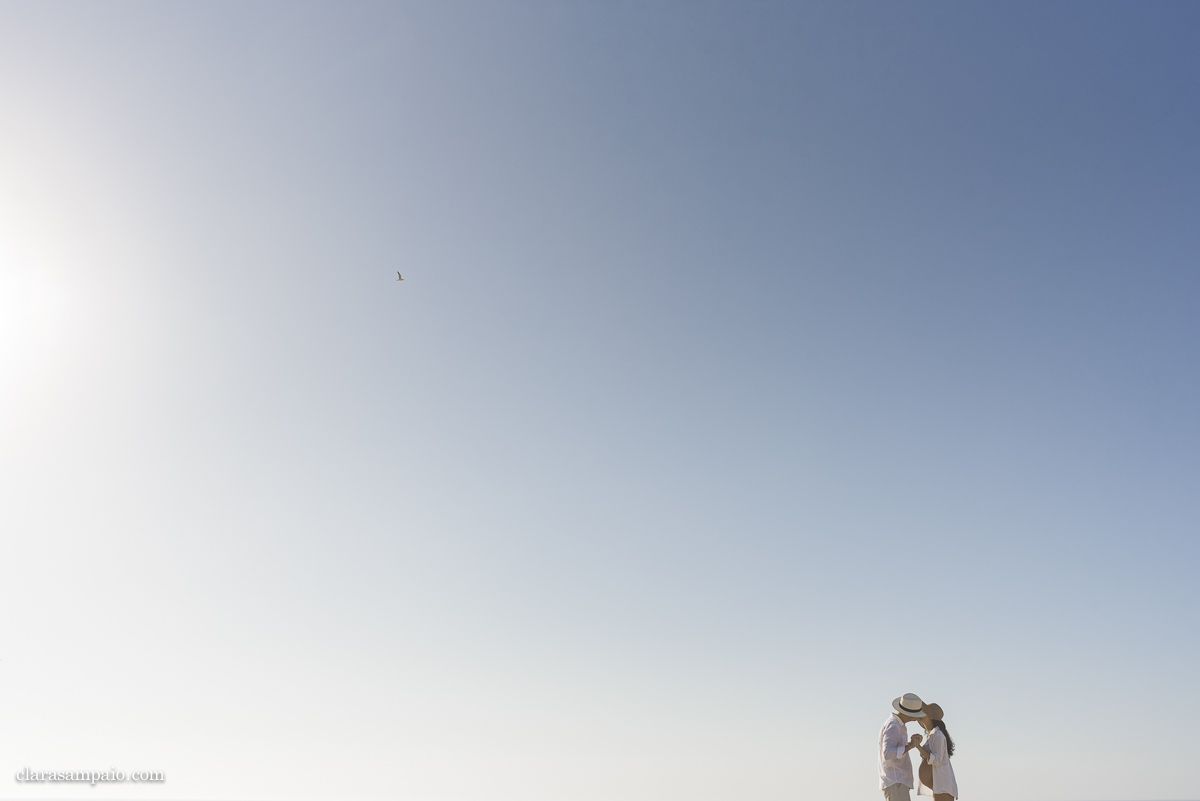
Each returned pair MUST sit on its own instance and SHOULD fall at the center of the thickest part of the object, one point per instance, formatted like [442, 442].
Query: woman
[936, 777]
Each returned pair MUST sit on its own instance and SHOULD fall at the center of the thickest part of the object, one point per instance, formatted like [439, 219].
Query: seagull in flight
[399, 277]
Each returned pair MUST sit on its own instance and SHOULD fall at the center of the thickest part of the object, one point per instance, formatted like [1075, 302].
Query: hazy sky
[755, 363]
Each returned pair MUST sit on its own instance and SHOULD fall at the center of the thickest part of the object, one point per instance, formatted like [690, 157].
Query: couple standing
[936, 777]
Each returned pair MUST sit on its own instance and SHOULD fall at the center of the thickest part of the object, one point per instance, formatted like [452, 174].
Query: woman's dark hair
[949, 742]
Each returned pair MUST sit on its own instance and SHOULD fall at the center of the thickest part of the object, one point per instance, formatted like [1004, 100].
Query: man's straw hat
[909, 704]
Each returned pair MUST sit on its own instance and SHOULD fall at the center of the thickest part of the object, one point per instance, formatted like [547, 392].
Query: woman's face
[926, 723]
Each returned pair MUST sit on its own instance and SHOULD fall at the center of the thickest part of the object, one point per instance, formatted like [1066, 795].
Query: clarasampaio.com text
[90, 776]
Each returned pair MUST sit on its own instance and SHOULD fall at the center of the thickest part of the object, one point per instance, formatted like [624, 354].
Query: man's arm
[894, 746]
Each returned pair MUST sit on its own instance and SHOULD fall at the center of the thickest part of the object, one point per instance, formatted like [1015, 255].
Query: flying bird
[399, 277]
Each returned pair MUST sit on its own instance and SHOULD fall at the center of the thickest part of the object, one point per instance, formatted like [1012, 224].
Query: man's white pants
[896, 792]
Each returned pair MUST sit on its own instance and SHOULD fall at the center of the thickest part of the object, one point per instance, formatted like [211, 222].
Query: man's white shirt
[895, 767]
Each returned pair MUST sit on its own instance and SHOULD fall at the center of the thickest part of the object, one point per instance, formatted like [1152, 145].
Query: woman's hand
[915, 742]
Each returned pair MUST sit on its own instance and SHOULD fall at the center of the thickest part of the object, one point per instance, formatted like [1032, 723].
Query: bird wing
[399, 277]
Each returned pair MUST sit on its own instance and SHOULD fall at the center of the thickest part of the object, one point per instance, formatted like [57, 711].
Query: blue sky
[754, 364]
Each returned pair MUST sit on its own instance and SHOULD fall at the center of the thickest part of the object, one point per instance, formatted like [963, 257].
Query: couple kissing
[935, 776]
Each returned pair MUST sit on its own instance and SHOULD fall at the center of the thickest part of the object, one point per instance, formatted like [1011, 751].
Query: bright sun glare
[32, 312]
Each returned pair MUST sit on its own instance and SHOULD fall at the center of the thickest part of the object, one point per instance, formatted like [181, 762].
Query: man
[895, 768]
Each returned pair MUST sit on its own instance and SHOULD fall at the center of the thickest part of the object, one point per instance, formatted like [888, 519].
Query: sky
[754, 364]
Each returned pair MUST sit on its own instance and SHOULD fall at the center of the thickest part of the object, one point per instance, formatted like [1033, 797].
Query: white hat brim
[920, 713]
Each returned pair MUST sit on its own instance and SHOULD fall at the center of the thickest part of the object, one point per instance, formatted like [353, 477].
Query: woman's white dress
[943, 774]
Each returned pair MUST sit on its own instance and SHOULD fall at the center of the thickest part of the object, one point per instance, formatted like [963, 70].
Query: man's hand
[916, 738]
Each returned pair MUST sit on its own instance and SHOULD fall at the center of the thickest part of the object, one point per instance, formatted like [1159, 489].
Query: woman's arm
[937, 749]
